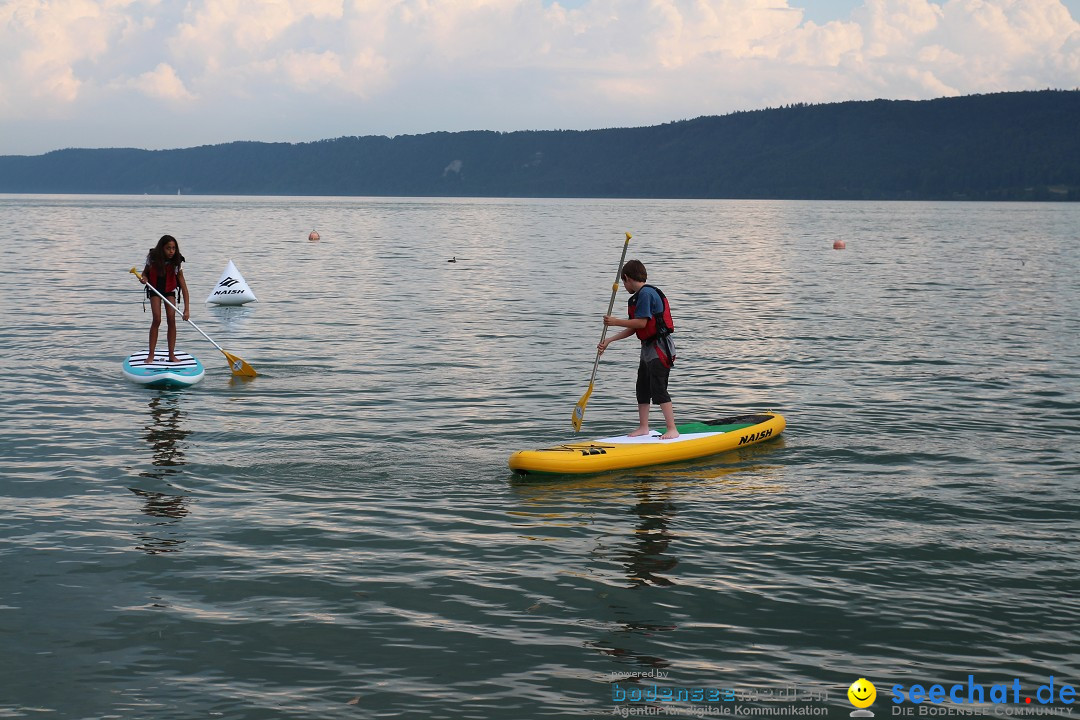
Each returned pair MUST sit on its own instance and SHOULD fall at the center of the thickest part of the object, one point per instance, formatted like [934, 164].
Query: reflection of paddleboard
[615, 453]
[161, 373]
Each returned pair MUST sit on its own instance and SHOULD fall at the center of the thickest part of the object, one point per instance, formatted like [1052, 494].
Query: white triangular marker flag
[231, 288]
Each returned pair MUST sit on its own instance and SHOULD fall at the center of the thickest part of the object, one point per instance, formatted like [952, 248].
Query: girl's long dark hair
[157, 255]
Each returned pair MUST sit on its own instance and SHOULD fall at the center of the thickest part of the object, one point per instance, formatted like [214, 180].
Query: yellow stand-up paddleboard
[617, 453]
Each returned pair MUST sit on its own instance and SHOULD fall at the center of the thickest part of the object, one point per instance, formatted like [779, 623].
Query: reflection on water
[328, 477]
[626, 635]
[162, 505]
[648, 550]
[165, 433]
[157, 537]
[232, 317]
[647, 560]
[650, 558]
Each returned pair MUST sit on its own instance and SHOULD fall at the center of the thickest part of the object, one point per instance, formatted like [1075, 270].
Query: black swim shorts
[171, 297]
[652, 379]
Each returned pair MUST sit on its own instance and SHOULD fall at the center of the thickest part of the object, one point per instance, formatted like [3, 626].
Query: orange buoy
[839, 245]
[313, 236]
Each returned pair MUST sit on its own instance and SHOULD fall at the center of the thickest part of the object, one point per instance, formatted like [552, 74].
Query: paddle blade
[238, 366]
[579, 409]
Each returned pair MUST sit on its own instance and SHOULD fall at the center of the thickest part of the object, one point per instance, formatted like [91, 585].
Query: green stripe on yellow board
[700, 427]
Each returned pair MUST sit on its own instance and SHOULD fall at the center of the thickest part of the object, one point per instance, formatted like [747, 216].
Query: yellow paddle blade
[579, 409]
[238, 366]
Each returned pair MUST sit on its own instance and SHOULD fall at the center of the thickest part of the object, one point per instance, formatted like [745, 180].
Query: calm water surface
[340, 537]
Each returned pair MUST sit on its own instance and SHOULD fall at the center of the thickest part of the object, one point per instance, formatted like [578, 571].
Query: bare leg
[155, 312]
[643, 421]
[170, 315]
[669, 419]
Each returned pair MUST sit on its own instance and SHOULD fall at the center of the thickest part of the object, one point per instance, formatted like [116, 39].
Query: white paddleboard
[185, 372]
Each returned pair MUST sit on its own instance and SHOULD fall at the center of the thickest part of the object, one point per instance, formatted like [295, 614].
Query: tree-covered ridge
[1006, 146]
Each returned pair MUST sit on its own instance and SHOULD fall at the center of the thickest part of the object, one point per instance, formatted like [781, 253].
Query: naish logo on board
[755, 437]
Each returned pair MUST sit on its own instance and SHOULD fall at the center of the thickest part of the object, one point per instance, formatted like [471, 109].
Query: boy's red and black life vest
[658, 327]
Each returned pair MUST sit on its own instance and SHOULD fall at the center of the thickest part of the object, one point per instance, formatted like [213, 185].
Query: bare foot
[149, 360]
[638, 433]
[173, 358]
[670, 435]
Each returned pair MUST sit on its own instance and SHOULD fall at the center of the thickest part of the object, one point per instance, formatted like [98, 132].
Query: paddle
[579, 409]
[237, 365]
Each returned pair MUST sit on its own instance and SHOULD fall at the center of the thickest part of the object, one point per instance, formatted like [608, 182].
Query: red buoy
[839, 245]
[313, 236]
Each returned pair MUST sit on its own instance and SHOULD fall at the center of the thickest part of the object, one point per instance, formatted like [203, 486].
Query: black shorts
[652, 380]
[171, 297]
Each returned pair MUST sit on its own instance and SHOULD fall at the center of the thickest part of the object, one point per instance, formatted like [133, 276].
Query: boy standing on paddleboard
[650, 320]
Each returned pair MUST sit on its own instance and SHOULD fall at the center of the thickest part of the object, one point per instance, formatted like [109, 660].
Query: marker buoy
[839, 245]
[231, 289]
[313, 236]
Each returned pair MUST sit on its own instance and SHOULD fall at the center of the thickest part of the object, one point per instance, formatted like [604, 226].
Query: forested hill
[1007, 146]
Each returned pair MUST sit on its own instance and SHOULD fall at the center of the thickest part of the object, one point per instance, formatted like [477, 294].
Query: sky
[160, 74]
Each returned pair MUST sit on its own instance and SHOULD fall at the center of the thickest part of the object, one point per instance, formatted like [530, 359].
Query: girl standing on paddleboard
[163, 272]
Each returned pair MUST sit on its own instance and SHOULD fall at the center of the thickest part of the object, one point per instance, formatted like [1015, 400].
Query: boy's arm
[624, 334]
[631, 324]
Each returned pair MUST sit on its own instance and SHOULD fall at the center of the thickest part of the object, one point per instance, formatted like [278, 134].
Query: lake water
[341, 537]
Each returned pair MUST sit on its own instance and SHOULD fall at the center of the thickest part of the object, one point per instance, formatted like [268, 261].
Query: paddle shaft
[190, 322]
[611, 305]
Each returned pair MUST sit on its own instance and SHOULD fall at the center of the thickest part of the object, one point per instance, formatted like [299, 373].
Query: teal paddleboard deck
[185, 372]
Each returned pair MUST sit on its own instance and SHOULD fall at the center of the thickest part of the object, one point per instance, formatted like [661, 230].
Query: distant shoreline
[195, 195]
[1017, 146]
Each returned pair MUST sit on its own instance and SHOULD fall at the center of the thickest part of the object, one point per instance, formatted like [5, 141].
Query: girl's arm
[145, 271]
[187, 295]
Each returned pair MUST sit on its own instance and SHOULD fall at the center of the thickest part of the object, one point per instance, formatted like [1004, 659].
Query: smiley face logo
[862, 693]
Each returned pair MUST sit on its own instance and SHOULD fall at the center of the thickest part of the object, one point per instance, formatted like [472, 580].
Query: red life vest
[166, 285]
[659, 325]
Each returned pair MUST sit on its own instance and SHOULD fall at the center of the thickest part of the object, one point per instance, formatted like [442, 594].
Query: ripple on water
[341, 535]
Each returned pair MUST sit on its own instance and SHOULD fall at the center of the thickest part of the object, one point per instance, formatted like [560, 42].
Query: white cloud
[968, 46]
[894, 28]
[222, 29]
[43, 42]
[820, 45]
[314, 72]
[396, 66]
[162, 82]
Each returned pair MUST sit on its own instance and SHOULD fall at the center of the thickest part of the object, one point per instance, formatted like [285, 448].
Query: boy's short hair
[635, 270]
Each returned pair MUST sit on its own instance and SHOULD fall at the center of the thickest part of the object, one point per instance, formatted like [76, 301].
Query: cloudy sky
[170, 73]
